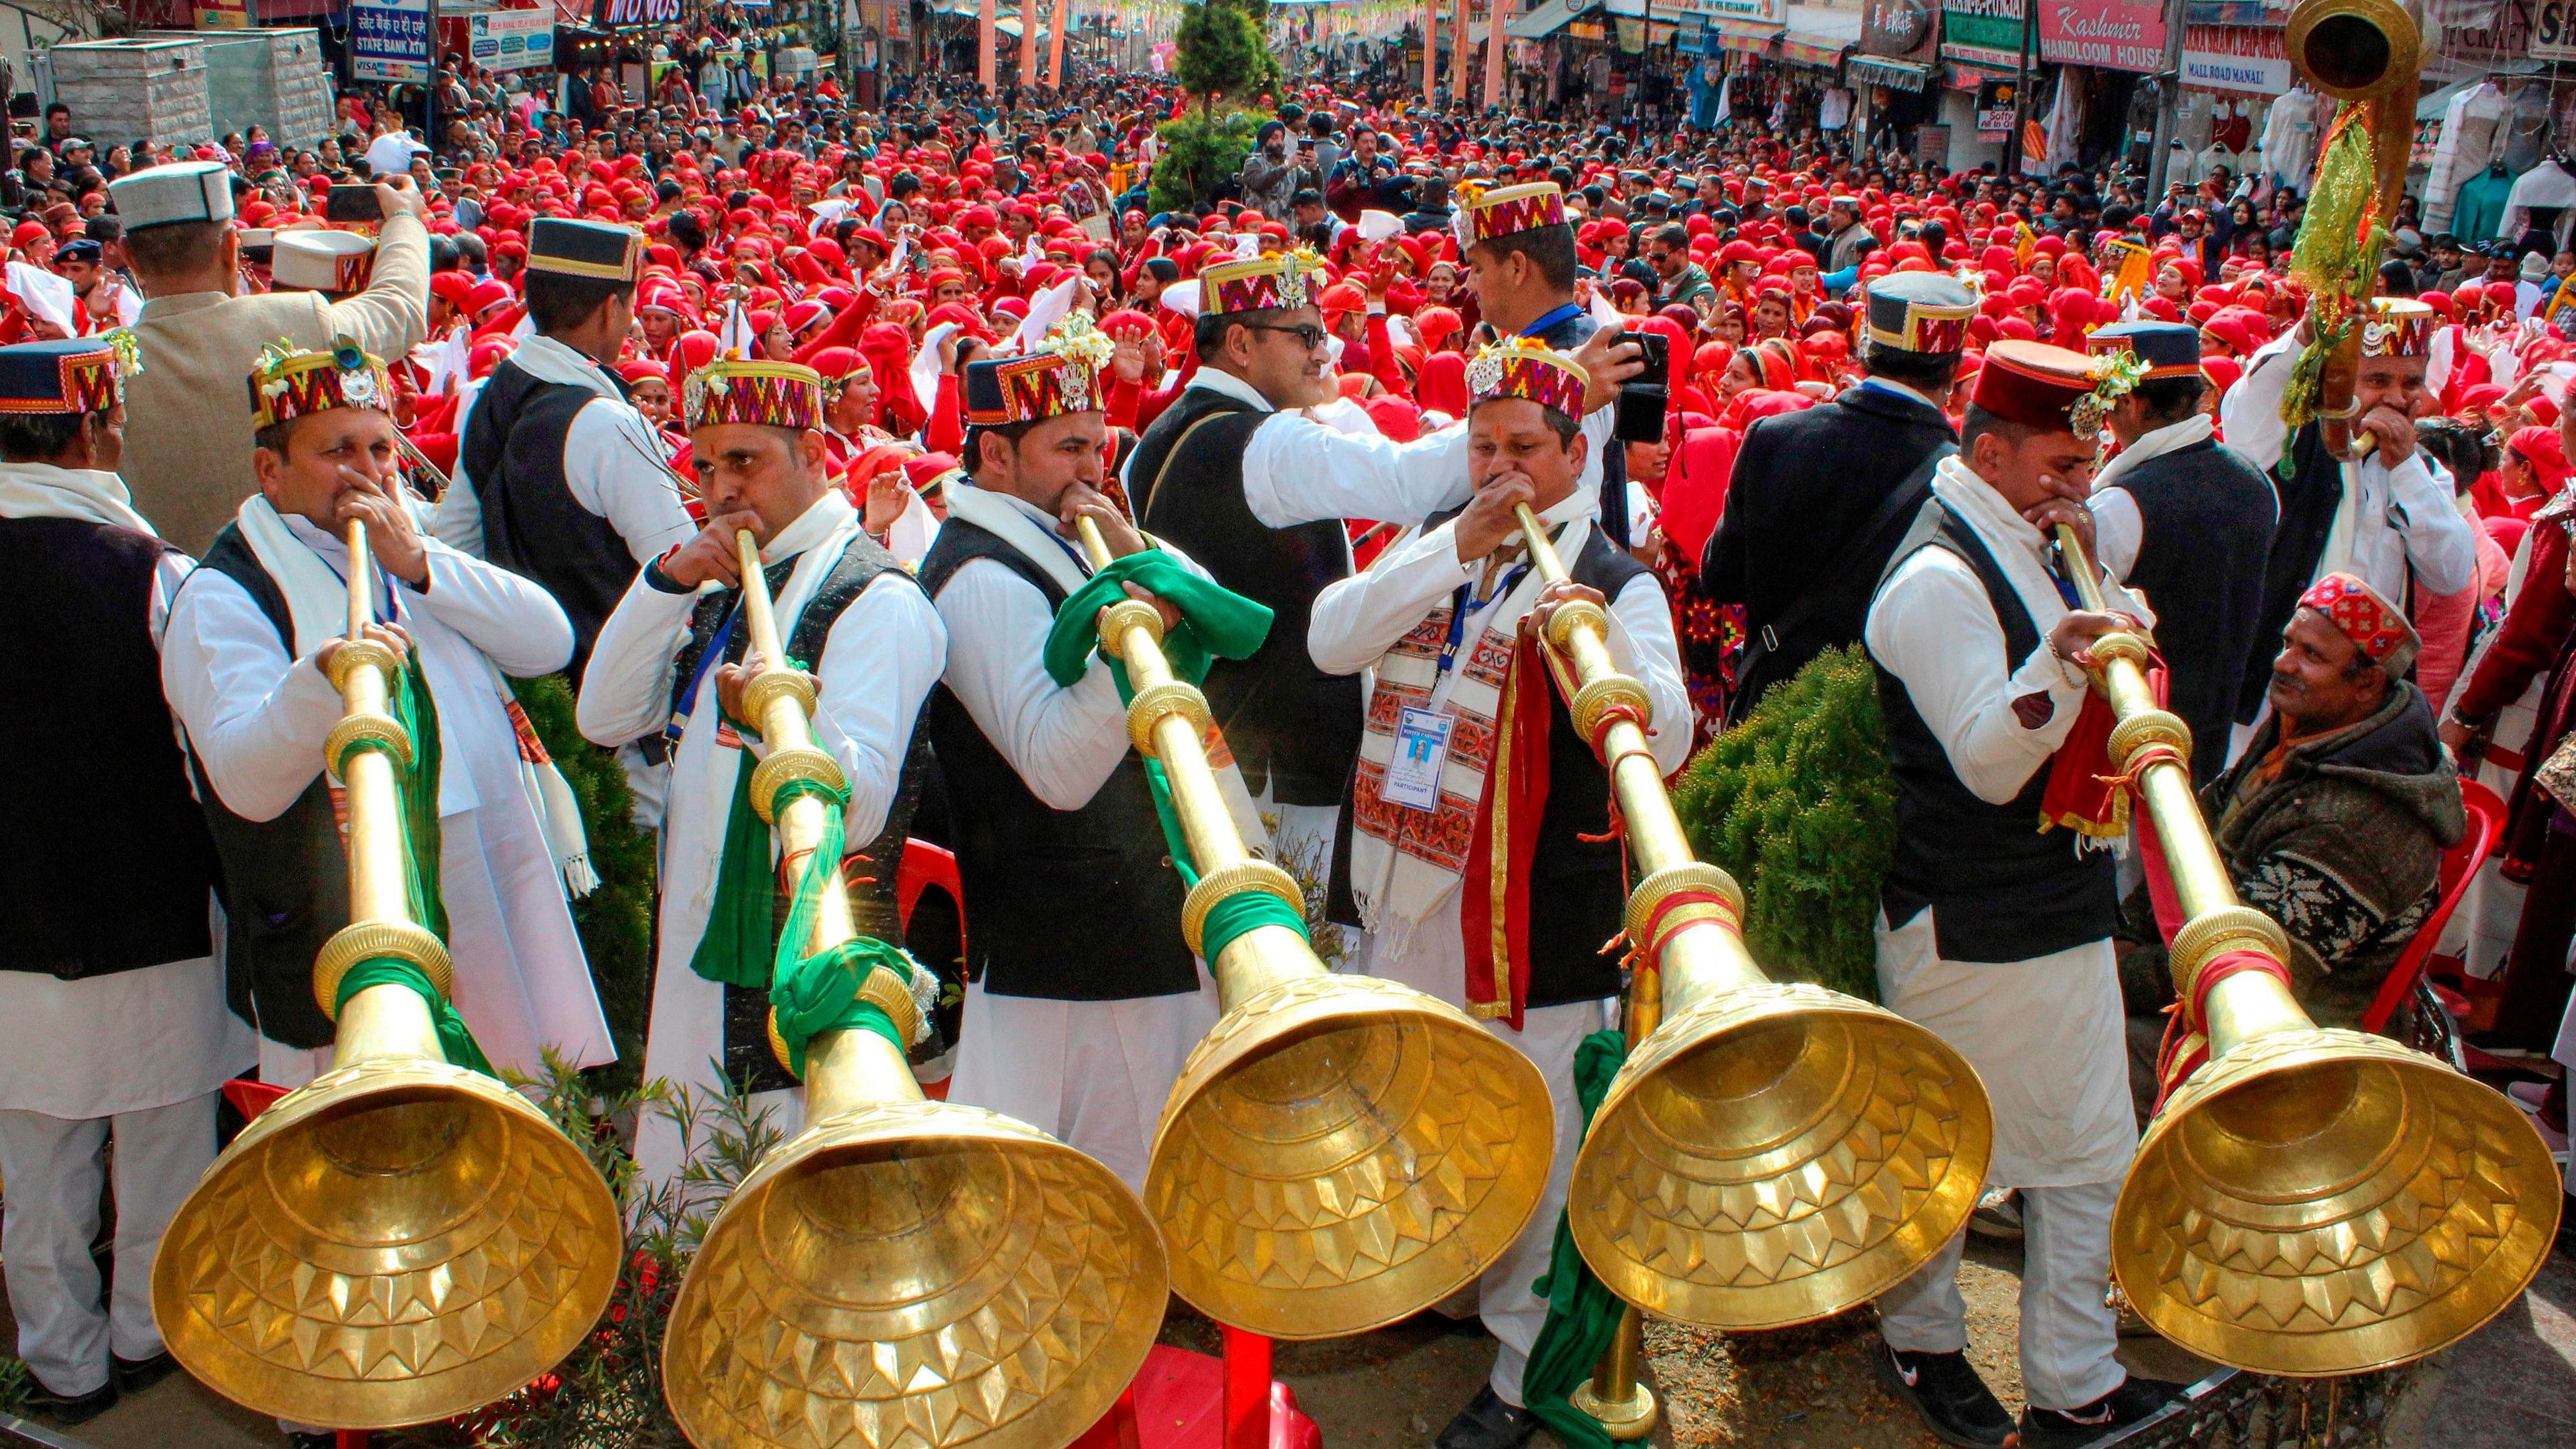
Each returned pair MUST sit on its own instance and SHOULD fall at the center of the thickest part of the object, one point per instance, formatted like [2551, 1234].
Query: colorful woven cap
[1501, 211]
[2397, 327]
[1523, 369]
[575, 248]
[1923, 312]
[1261, 284]
[2168, 349]
[2375, 626]
[1060, 375]
[322, 261]
[740, 390]
[72, 375]
[290, 382]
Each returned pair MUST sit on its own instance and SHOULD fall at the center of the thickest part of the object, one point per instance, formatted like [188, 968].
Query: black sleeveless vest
[107, 860]
[2004, 890]
[2200, 561]
[1062, 905]
[2310, 494]
[1578, 895]
[869, 870]
[1285, 720]
[513, 451]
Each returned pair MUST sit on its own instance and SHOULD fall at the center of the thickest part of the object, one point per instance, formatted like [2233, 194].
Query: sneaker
[2126, 1405]
[133, 1376]
[70, 1409]
[1953, 1400]
[1998, 1215]
[1488, 1423]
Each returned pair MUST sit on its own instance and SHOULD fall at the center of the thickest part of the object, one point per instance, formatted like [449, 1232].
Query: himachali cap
[71, 375]
[322, 261]
[2377, 627]
[1275, 282]
[1062, 375]
[1486, 213]
[739, 390]
[289, 382]
[1920, 312]
[2397, 327]
[1521, 368]
[2168, 349]
[2039, 386]
[573, 248]
[168, 195]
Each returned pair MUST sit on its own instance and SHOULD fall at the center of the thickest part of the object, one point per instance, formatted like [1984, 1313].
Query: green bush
[616, 920]
[1222, 50]
[1797, 803]
[1198, 153]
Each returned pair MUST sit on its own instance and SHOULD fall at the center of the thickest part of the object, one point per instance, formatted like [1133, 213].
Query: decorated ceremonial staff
[674, 660]
[112, 1019]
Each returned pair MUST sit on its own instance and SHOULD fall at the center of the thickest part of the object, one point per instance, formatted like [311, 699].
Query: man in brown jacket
[187, 440]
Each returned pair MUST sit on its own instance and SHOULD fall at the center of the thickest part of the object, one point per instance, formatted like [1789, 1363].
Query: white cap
[322, 261]
[168, 195]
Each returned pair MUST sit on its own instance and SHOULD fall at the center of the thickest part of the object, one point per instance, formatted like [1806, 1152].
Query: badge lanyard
[1464, 603]
[1562, 314]
[715, 650]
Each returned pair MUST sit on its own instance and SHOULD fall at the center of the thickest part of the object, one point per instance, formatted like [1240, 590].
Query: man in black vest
[672, 663]
[1082, 998]
[1821, 496]
[2185, 521]
[112, 1019]
[1996, 935]
[558, 477]
[1448, 619]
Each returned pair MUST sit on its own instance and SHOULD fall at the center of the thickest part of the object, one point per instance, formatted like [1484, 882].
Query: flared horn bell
[2318, 1201]
[1775, 1153]
[1341, 1152]
[2355, 50]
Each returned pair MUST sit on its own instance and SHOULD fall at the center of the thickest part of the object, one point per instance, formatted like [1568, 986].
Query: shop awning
[1545, 21]
[1878, 70]
[1744, 37]
[1817, 36]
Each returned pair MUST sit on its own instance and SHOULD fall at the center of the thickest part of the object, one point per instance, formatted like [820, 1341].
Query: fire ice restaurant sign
[2121, 34]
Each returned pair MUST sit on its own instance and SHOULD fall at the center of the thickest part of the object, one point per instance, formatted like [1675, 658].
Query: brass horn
[1339, 1152]
[400, 1240]
[2310, 1200]
[902, 1271]
[1771, 1152]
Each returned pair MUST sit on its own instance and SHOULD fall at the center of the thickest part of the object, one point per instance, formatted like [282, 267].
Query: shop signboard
[2553, 30]
[513, 39]
[1745, 12]
[223, 14]
[389, 40]
[1982, 32]
[613, 14]
[1900, 30]
[2234, 58]
[2121, 34]
[1996, 100]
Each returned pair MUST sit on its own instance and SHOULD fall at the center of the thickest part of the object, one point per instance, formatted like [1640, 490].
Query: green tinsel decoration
[616, 920]
[1798, 805]
[2336, 255]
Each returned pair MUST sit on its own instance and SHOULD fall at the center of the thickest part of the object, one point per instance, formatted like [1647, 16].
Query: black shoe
[2114, 1411]
[1488, 1423]
[1953, 1400]
[134, 1375]
[70, 1409]
[322, 1440]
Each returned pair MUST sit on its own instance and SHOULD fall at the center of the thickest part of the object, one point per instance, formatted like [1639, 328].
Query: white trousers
[2068, 1334]
[1092, 1074]
[54, 1169]
[1507, 1299]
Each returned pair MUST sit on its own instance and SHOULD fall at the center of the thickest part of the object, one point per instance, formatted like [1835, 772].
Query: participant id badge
[1421, 748]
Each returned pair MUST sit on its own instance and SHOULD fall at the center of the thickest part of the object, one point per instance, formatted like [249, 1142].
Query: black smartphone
[354, 203]
[1643, 398]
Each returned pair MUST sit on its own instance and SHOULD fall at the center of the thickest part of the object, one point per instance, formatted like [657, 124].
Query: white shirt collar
[1231, 386]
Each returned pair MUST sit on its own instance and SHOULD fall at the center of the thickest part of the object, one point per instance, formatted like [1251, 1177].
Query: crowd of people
[1770, 399]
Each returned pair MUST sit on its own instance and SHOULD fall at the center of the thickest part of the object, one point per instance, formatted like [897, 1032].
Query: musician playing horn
[1476, 808]
[673, 660]
[246, 666]
[1993, 933]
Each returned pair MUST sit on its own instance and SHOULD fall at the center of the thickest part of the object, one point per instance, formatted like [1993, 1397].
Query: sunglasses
[1308, 335]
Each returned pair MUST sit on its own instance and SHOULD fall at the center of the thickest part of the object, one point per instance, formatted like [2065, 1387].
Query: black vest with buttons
[513, 451]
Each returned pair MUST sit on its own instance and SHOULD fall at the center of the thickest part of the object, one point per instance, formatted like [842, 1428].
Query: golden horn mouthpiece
[2310, 1200]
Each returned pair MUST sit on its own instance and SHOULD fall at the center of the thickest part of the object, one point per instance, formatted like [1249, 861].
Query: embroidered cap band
[289, 382]
[2375, 626]
[1521, 368]
[738, 390]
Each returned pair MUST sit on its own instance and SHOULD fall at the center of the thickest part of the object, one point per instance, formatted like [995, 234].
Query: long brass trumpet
[1771, 1152]
[902, 1271]
[400, 1240]
[2309, 1201]
[1339, 1152]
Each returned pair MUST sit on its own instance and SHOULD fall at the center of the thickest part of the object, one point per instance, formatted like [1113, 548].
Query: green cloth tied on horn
[1582, 1315]
[810, 994]
[455, 1040]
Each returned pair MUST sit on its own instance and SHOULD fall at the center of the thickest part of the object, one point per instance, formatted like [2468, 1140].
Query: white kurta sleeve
[1063, 742]
[457, 521]
[615, 467]
[1643, 646]
[255, 718]
[1357, 619]
[626, 689]
[2438, 541]
[2250, 414]
[1935, 630]
[2118, 531]
[1296, 470]
[879, 662]
[511, 619]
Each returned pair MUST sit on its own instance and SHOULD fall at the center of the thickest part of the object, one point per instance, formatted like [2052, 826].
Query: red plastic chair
[925, 865]
[2459, 867]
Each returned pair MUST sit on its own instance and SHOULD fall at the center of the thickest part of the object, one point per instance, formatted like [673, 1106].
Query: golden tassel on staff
[1771, 1152]
[900, 1263]
[403, 1239]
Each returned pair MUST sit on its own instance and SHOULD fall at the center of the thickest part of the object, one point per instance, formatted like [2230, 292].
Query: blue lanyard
[715, 650]
[1461, 605]
[1561, 314]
